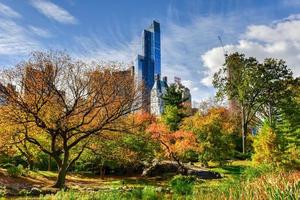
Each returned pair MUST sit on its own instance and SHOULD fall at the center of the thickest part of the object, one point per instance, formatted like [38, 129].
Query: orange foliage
[173, 143]
[144, 117]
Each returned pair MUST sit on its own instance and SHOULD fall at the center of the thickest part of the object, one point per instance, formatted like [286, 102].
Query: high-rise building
[148, 63]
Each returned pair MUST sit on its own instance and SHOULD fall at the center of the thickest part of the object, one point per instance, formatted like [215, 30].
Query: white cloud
[39, 31]
[53, 11]
[92, 48]
[15, 40]
[8, 12]
[280, 40]
[182, 46]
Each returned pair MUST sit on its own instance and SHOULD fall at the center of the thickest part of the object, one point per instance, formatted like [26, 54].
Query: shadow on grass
[234, 170]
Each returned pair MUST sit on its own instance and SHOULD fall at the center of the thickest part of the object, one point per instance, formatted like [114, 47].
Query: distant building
[148, 63]
[157, 92]
[148, 73]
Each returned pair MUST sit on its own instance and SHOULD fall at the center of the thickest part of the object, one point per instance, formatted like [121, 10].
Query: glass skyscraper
[148, 63]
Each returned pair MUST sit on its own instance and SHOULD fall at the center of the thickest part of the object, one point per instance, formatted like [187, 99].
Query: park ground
[237, 174]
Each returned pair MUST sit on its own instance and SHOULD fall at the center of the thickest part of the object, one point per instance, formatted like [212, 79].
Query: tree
[173, 97]
[275, 81]
[174, 144]
[126, 150]
[174, 107]
[172, 117]
[266, 146]
[67, 102]
[215, 131]
[287, 127]
[253, 85]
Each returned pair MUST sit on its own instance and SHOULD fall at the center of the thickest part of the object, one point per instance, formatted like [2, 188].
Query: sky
[110, 30]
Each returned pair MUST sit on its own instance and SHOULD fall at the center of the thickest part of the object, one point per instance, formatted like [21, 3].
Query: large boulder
[158, 168]
[204, 174]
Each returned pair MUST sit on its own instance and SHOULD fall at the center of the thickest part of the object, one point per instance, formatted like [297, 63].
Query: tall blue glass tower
[148, 64]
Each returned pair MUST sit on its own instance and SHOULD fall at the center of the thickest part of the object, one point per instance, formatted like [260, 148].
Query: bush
[242, 156]
[183, 184]
[190, 156]
[254, 172]
[266, 146]
[16, 171]
[149, 193]
[2, 191]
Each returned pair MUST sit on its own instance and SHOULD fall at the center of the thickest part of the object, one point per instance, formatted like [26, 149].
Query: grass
[240, 181]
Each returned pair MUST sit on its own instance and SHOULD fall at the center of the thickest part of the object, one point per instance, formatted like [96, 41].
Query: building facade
[148, 63]
[147, 72]
[157, 92]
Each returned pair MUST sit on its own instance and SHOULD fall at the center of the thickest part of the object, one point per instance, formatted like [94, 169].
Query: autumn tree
[173, 143]
[67, 102]
[215, 131]
[266, 146]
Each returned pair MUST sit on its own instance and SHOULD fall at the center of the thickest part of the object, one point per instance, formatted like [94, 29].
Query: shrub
[254, 172]
[190, 156]
[2, 191]
[149, 193]
[24, 192]
[266, 146]
[183, 184]
[16, 171]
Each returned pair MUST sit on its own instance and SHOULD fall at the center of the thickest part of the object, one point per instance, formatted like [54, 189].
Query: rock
[158, 168]
[35, 191]
[159, 189]
[49, 190]
[204, 174]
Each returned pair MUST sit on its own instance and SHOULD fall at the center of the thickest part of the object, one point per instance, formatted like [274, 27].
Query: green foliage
[149, 193]
[190, 156]
[258, 88]
[173, 96]
[183, 185]
[24, 192]
[128, 151]
[16, 171]
[174, 110]
[251, 173]
[279, 144]
[172, 117]
[288, 128]
[3, 191]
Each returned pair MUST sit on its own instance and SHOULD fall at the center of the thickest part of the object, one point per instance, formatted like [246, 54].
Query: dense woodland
[67, 117]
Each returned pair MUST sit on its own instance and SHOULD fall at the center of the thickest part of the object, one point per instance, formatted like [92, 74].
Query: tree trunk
[30, 163]
[61, 179]
[182, 169]
[49, 163]
[63, 168]
[244, 129]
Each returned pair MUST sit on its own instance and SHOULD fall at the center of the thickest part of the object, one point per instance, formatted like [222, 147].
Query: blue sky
[111, 30]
